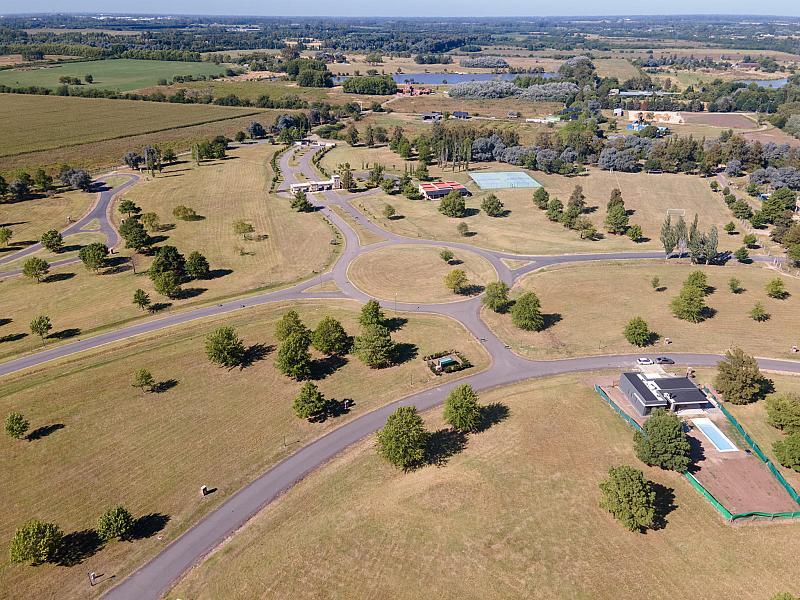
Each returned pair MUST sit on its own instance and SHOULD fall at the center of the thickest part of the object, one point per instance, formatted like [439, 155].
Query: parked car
[663, 360]
[643, 360]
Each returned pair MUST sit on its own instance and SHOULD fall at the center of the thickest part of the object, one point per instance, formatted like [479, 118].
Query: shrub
[35, 543]
[757, 313]
[775, 288]
[16, 425]
[787, 451]
[492, 206]
[116, 522]
[629, 497]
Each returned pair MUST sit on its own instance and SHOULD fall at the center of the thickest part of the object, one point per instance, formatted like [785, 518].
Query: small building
[671, 393]
[618, 112]
[431, 116]
[334, 183]
[438, 189]
[746, 65]
[460, 114]
[512, 114]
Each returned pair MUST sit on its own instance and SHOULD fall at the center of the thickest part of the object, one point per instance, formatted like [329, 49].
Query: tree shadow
[710, 289]
[194, 218]
[58, 277]
[117, 269]
[164, 386]
[42, 432]
[5, 321]
[472, 289]
[166, 227]
[12, 337]
[64, 334]
[696, 453]
[336, 408]
[159, 306]
[115, 261]
[708, 313]
[148, 525]
[444, 444]
[77, 546]
[404, 352]
[191, 292]
[397, 217]
[394, 323]
[323, 367]
[255, 353]
[217, 273]
[664, 505]
[551, 319]
[492, 414]
[471, 212]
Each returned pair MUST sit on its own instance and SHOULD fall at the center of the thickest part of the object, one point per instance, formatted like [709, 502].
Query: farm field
[487, 108]
[527, 230]
[58, 122]
[117, 74]
[220, 192]
[581, 324]
[518, 508]
[621, 68]
[416, 273]
[211, 426]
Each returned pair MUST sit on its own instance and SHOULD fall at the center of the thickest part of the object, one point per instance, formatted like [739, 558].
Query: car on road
[663, 360]
[643, 360]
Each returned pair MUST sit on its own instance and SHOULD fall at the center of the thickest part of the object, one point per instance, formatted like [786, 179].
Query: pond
[448, 78]
[770, 83]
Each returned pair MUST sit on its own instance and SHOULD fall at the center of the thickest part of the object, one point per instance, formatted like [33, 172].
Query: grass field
[527, 230]
[58, 122]
[416, 273]
[29, 219]
[594, 302]
[621, 68]
[514, 515]
[117, 74]
[152, 452]
[220, 192]
[486, 108]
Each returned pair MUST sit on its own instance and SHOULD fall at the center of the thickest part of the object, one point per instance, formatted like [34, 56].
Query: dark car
[663, 360]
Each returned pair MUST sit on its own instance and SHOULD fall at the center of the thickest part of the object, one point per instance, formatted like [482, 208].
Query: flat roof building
[439, 189]
[672, 393]
[334, 183]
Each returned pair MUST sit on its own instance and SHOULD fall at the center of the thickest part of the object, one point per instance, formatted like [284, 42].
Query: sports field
[588, 306]
[117, 74]
[152, 452]
[514, 515]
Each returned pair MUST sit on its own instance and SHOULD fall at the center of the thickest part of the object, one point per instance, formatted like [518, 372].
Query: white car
[644, 360]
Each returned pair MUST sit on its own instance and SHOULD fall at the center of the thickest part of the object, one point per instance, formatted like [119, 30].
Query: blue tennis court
[503, 180]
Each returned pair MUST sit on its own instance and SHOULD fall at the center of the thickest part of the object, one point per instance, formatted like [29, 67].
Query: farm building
[673, 393]
[334, 183]
[439, 189]
[460, 114]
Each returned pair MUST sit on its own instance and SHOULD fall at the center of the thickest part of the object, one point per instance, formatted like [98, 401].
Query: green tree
[144, 380]
[663, 442]
[150, 221]
[35, 542]
[783, 411]
[617, 219]
[52, 240]
[461, 410]
[629, 497]
[224, 347]
[371, 314]
[758, 313]
[300, 202]
[134, 234]
[330, 337]
[775, 288]
[453, 205]
[555, 209]
[16, 425]
[243, 228]
[689, 304]
[446, 255]
[35, 268]
[787, 451]
[351, 135]
[655, 282]
[293, 358]
[541, 198]
[634, 232]
[184, 213]
[5, 235]
[526, 312]
[374, 346]
[741, 254]
[93, 256]
[456, 280]
[115, 523]
[462, 229]
[750, 240]
[346, 177]
[288, 324]
[699, 280]
[197, 266]
[495, 297]
[492, 206]
[128, 208]
[739, 379]
[735, 286]
[389, 211]
[403, 439]
[167, 284]
[615, 199]
[168, 258]
[309, 403]
[141, 299]
[41, 326]
[637, 332]
[730, 228]
[669, 238]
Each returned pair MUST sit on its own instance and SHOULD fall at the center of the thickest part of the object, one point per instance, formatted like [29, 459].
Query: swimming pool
[498, 180]
[715, 435]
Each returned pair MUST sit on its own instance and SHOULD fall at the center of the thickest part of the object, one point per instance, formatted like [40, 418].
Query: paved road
[160, 573]
[100, 211]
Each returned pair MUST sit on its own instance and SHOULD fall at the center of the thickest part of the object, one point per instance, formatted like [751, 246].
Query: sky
[410, 8]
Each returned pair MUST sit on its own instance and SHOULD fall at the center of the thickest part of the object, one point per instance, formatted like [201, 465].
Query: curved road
[159, 574]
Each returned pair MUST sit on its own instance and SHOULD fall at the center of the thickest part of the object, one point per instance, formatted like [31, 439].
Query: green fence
[718, 506]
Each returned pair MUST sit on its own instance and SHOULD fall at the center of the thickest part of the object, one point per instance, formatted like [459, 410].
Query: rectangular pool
[714, 435]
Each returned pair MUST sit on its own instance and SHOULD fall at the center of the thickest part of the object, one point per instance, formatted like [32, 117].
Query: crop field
[517, 509]
[220, 192]
[153, 451]
[621, 68]
[588, 306]
[487, 108]
[117, 74]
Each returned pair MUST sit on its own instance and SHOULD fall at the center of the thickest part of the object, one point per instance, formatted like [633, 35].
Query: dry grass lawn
[593, 302]
[297, 245]
[621, 68]
[366, 237]
[416, 273]
[527, 230]
[29, 219]
[152, 452]
[515, 515]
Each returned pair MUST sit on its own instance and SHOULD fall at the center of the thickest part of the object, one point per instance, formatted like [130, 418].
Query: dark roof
[645, 393]
[460, 113]
[681, 390]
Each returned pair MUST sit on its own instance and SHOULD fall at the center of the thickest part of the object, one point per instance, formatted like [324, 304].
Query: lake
[445, 78]
[770, 83]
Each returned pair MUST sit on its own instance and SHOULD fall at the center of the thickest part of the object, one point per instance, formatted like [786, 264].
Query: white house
[334, 183]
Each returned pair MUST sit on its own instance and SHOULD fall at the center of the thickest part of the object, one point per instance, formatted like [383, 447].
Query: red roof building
[439, 189]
